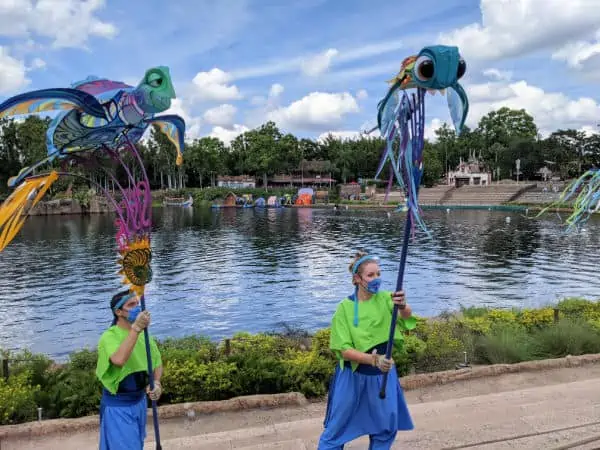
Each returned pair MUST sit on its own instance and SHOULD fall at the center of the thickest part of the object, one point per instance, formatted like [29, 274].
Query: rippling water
[218, 272]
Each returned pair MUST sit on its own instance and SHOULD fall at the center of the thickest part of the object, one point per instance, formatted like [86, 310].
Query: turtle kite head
[155, 91]
[437, 68]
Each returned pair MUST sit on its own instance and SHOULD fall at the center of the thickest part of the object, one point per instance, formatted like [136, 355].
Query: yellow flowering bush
[17, 399]
[480, 325]
[502, 316]
[536, 318]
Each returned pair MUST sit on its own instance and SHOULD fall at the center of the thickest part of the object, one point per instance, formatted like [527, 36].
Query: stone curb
[71, 426]
[88, 423]
[450, 376]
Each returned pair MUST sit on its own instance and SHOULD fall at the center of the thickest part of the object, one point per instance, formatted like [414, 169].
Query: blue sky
[313, 66]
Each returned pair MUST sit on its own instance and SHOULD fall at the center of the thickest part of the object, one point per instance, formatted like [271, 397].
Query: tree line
[500, 138]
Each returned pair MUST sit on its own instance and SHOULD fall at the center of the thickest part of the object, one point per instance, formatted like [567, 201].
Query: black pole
[390, 343]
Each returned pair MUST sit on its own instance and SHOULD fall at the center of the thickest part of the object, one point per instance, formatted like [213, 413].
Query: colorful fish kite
[401, 116]
[401, 122]
[100, 120]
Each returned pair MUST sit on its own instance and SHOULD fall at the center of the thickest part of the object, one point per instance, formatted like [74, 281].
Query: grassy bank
[197, 368]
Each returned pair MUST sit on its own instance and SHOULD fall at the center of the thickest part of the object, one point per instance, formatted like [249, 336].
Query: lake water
[217, 272]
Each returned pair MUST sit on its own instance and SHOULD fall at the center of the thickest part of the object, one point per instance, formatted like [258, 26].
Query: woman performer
[359, 332]
[122, 369]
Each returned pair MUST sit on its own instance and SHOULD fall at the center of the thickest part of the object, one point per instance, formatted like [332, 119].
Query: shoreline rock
[69, 206]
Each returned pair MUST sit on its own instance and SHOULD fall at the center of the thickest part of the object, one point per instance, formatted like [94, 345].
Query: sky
[312, 66]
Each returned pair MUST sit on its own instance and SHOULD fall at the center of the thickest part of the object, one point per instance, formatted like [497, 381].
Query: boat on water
[178, 201]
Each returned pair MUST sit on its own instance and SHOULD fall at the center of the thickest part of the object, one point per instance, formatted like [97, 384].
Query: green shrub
[194, 381]
[503, 345]
[76, 393]
[567, 337]
[309, 373]
[320, 344]
[408, 356]
[198, 348]
[577, 307]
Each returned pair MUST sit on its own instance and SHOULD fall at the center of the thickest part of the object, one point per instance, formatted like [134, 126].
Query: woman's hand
[154, 394]
[381, 362]
[398, 298]
[141, 321]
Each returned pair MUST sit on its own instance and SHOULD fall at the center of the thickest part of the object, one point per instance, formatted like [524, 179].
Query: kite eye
[462, 68]
[424, 68]
[155, 80]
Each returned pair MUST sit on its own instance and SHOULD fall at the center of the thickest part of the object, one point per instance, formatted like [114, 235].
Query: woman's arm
[120, 357]
[356, 356]
[158, 373]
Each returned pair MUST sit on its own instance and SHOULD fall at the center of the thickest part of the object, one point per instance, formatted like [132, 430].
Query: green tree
[433, 168]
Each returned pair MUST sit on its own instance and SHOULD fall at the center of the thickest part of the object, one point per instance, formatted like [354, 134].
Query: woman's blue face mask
[133, 313]
[373, 285]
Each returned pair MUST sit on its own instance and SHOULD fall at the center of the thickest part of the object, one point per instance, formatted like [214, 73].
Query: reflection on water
[218, 272]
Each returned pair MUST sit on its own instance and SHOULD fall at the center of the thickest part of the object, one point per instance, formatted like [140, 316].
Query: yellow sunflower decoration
[135, 265]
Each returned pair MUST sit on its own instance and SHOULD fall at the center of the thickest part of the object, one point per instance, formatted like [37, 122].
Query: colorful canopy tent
[305, 196]
[260, 202]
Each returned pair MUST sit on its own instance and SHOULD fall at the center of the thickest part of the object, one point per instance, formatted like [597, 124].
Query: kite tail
[16, 207]
[587, 202]
[412, 142]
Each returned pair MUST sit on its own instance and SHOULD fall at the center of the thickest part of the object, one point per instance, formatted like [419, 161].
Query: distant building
[314, 173]
[471, 173]
[240, 181]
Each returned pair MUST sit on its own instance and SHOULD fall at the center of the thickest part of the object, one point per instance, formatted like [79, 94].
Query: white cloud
[362, 94]
[193, 124]
[431, 127]
[69, 23]
[320, 63]
[498, 75]
[37, 63]
[589, 130]
[213, 86]
[228, 134]
[257, 100]
[550, 110]
[517, 27]
[222, 115]
[12, 73]
[583, 56]
[317, 110]
[276, 90]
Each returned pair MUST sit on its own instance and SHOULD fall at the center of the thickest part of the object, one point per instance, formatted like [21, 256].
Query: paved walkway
[541, 410]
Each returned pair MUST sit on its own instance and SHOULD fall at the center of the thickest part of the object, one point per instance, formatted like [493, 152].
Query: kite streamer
[585, 191]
